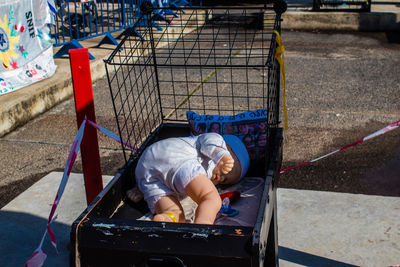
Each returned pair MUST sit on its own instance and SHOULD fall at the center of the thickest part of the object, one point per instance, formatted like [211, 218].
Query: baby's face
[234, 175]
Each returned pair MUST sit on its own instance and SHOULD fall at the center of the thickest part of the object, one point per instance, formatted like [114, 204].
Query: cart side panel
[265, 238]
[96, 237]
[134, 242]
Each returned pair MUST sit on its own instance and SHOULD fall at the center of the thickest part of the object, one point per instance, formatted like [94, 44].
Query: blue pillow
[249, 126]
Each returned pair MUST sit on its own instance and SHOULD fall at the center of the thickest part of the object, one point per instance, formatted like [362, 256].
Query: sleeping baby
[174, 168]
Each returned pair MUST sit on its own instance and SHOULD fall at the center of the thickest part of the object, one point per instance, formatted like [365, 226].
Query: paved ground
[354, 230]
[20, 239]
[319, 228]
[323, 69]
[322, 66]
[341, 87]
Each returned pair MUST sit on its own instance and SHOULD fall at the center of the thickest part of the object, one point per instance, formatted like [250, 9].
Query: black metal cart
[212, 61]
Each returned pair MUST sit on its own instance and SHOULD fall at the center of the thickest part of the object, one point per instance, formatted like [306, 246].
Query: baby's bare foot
[134, 194]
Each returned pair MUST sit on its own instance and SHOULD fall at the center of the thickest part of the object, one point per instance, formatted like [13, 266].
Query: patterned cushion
[250, 127]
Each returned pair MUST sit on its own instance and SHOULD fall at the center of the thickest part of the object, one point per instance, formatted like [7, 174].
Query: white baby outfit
[168, 166]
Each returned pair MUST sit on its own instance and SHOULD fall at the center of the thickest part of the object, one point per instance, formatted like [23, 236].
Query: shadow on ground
[393, 36]
[20, 239]
[307, 259]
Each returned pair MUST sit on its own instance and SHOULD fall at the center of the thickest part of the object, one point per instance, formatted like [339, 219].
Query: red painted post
[84, 106]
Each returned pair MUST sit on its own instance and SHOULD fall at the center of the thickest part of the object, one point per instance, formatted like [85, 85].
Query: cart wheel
[366, 7]
[280, 6]
[146, 7]
[316, 5]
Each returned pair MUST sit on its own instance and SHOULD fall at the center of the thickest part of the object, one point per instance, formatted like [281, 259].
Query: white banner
[26, 51]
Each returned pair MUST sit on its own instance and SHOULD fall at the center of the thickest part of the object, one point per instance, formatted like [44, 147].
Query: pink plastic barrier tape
[386, 129]
[111, 134]
[38, 257]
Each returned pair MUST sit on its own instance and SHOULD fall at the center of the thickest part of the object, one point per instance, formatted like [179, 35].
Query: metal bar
[84, 105]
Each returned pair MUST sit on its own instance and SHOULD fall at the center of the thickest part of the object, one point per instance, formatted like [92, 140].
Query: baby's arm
[205, 194]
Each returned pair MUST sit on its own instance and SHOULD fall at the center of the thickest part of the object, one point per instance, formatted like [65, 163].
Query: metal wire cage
[209, 60]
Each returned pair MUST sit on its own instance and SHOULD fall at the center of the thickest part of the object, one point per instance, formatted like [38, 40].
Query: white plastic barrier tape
[39, 256]
[386, 129]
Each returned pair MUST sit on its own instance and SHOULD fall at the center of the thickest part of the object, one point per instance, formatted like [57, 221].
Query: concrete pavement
[315, 228]
[24, 220]
[384, 16]
[319, 228]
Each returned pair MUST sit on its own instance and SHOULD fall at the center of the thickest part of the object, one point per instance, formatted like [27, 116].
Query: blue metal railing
[78, 20]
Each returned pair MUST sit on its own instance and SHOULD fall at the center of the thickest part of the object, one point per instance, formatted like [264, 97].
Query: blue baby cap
[240, 150]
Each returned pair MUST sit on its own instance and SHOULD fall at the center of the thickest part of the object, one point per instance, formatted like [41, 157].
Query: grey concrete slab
[315, 228]
[23, 220]
[384, 16]
[337, 229]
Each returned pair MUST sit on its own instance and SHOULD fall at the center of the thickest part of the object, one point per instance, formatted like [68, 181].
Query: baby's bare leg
[166, 206]
[205, 194]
